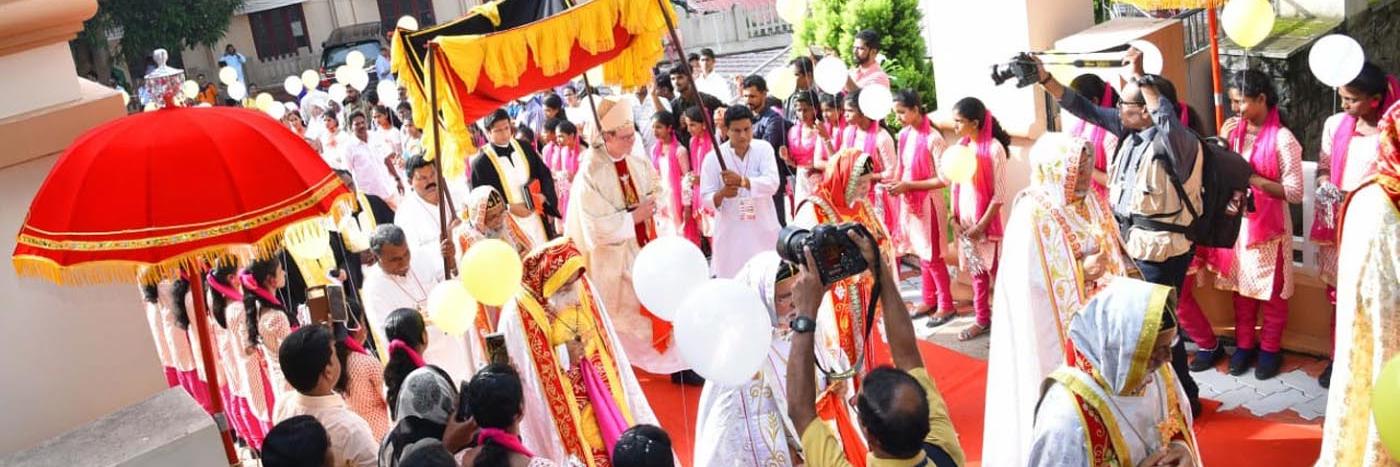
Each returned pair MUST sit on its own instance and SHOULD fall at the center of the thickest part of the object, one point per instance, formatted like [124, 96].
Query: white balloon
[150, 106]
[359, 79]
[342, 74]
[228, 76]
[291, 106]
[408, 22]
[337, 92]
[310, 79]
[388, 93]
[723, 331]
[1336, 59]
[876, 102]
[355, 59]
[189, 89]
[831, 75]
[277, 111]
[665, 272]
[292, 85]
[237, 91]
[1151, 56]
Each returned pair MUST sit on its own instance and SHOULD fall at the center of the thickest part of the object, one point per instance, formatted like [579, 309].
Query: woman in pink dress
[564, 163]
[1260, 266]
[672, 161]
[361, 378]
[151, 295]
[251, 391]
[977, 205]
[700, 146]
[269, 320]
[869, 137]
[1350, 145]
[1105, 144]
[921, 212]
[803, 141]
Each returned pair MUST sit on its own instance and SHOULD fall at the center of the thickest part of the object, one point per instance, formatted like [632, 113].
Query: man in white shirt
[712, 83]
[366, 165]
[402, 278]
[309, 362]
[419, 217]
[382, 65]
[741, 193]
[235, 60]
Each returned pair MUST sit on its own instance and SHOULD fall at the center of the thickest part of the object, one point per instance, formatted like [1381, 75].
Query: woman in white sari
[1118, 403]
[1059, 241]
[748, 424]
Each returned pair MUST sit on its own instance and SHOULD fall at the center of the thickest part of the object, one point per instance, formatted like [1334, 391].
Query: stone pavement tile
[1300, 380]
[1275, 402]
[1235, 397]
[1214, 382]
[1266, 387]
[1313, 409]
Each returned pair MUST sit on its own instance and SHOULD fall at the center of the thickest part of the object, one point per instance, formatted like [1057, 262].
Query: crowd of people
[1083, 279]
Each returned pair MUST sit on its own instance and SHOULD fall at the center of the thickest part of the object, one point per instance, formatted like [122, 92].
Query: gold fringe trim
[126, 271]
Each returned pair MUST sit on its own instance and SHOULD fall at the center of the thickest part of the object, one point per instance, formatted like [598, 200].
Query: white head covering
[1057, 161]
[761, 274]
[1116, 331]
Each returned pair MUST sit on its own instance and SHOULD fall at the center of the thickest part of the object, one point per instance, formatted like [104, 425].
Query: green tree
[834, 24]
[150, 24]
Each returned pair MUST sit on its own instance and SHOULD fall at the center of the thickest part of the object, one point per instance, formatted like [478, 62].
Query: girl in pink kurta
[1260, 267]
[829, 131]
[700, 147]
[176, 323]
[251, 409]
[151, 295]
[362, 383]
[921, 213]
[1350, 145]
[564, 163]
[803, 142]
[977, 205]
[274, 322]
[672, 161]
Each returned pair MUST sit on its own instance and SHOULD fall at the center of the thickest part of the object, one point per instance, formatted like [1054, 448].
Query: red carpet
[1225, 439]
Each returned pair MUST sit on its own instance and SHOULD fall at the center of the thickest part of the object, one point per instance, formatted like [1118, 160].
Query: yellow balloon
[491, 272]
[1385, 406]
[1248, 22]
[960, 163]
[310, 79]
[228, 76]
[264, 101]
[792, 11]
[781, 82]
[450, 308]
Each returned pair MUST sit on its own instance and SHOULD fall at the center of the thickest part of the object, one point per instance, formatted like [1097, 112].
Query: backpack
[1224, 181]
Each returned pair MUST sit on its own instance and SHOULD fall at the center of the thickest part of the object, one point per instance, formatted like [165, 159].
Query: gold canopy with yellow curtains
[507, 49]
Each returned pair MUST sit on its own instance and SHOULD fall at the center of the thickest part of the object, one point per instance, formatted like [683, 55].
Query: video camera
[836, 255]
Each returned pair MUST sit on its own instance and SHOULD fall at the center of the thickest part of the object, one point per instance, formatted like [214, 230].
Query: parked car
[367, 38]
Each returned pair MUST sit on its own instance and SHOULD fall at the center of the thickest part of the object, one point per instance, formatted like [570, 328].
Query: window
[279, 32]
[391, 10]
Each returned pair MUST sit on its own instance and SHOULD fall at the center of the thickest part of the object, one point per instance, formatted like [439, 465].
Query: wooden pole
[690, 75]
[206, 354]
[1219, 94]
[447, 266]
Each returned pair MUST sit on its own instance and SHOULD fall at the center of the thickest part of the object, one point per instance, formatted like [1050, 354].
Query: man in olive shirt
[902, 415]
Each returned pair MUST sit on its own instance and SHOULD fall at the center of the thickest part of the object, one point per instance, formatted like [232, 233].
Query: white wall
[71, 354]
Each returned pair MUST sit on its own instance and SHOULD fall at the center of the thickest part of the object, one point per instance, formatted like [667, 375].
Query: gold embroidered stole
[507, 187]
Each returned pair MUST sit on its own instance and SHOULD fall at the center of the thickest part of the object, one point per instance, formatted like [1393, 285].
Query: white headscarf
[1058, 162]
[1116, 331]
[761, 274]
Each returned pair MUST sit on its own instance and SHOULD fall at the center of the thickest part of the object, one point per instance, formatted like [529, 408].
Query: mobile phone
[496, 348]
[464, 410]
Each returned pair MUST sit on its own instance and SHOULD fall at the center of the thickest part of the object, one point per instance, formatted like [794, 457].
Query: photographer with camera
[902, 415]
[1157, 151]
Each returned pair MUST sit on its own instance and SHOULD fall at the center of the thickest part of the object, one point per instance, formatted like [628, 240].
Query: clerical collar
[501, 146]
[616, 158]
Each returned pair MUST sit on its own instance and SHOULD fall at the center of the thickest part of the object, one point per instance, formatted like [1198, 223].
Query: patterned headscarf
[1058, 162]
[842, 175]
[1114, 334]
[549, 266]
[481, 200]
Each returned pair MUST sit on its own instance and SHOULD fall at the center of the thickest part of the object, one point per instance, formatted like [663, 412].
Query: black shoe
[1268, 367]
[689, 377]
[1205, 359]
[936, 321]
[1196, 409]
[1326, 379]
[1240, 361]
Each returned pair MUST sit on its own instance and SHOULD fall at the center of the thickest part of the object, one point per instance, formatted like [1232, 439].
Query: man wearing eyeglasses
[1140, 187]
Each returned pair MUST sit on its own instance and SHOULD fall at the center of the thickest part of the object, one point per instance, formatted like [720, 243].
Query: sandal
[922, 311]
[941, 318]
[973, 331]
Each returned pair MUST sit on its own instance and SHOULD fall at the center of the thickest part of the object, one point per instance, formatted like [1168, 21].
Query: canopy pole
[206, 354]
[690, 75]
[445, 234]
[1219, 96]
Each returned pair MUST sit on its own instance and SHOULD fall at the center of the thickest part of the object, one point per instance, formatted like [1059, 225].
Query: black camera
[1022, 67]
[836, 255]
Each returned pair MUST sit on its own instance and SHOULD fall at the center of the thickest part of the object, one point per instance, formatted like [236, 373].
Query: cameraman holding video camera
[900, 411]
[1149, 212]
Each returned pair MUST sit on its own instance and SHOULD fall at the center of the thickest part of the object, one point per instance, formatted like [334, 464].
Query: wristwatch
[803, 324]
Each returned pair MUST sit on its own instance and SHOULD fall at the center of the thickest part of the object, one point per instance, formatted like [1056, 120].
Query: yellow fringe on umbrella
[123, 271]
[1172, 4]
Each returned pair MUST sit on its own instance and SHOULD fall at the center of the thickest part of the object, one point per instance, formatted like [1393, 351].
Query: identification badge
[747, 211]
[563, 352]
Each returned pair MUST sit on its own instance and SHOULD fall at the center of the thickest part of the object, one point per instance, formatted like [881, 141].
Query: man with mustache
[418, 213]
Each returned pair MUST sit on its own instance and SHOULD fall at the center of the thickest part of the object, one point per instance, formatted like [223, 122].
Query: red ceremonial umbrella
[145, 197]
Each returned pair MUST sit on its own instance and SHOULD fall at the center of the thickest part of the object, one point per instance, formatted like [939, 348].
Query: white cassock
[383, 293]
[745, 225]
[600, 223]
[422, 223]
[747, 425]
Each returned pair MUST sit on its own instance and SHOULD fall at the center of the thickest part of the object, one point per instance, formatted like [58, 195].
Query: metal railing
[1195, 26]
[762, 20]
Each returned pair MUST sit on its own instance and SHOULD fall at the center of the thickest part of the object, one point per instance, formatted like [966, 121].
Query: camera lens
[790, 242]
